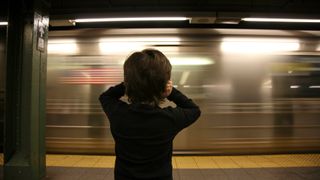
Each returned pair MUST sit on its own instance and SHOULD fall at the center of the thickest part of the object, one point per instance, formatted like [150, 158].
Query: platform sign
[42, 30]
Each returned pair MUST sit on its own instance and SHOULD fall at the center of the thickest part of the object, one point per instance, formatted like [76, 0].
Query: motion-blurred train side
[259, 90]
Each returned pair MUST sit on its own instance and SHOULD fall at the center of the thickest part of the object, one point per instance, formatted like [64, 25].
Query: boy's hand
[168, 89]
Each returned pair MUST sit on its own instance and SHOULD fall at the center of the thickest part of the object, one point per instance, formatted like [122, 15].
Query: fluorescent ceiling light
[258, 45]
[282, 20]
[294, 86]
[2, 23]
[131, 19]
[314, 86]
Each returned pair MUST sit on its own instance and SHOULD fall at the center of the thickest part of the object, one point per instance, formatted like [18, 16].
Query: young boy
[143, 132]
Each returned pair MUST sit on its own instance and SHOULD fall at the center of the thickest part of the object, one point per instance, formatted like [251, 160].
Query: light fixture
[130, 19]
[57, 23]
[294, 86]
[226, 20]
[281, 20]
[317, 86]
[202, 20]
[3, 23]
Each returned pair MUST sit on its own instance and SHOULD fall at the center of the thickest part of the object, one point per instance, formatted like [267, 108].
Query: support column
[24, 142]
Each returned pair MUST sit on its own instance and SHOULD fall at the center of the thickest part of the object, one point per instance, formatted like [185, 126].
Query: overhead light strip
[131, 19]
[281, 20]
[3, 23]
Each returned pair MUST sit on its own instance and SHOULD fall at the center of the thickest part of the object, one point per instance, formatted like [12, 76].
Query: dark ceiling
[88, 8]
[219, 9]
[64, 10]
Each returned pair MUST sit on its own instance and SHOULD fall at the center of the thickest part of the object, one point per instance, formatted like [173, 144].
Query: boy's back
[143, 133]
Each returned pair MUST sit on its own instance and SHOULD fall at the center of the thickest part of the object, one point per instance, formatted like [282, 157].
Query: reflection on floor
[293, 166]
[302, 173]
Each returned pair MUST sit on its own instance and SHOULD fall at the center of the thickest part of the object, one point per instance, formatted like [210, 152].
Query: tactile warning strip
[194, 162]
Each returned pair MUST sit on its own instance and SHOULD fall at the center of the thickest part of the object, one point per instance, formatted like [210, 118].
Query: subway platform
[242, 167]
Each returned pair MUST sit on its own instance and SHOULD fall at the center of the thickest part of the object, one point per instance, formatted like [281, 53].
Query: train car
[259, 90]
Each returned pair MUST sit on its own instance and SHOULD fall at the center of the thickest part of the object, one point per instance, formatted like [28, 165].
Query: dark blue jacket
[143, 134]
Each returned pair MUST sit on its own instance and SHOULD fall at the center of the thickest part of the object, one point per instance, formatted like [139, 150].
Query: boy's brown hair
[146, 74]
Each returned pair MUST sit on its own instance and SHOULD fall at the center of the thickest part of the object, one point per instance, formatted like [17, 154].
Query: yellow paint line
[194, 162]
[185, 162]
[262, 162]
[244, 162]
[205, 162]
[224, 162]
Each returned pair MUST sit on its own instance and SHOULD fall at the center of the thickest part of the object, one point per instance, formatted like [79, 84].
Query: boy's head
[146, 74]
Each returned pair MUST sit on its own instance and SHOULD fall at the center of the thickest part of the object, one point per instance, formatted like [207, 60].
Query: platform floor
[246, 167]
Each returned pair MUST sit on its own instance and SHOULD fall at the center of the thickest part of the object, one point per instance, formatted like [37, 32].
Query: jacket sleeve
[110, 99]
[186, 112]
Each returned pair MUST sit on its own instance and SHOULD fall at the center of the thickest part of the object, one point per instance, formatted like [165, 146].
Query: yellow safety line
[198, 162]
[193, 162]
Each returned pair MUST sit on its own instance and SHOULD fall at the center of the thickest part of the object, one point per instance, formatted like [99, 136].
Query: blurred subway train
[259, 90]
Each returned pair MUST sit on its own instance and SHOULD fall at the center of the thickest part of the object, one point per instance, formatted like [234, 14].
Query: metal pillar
[24, 142]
